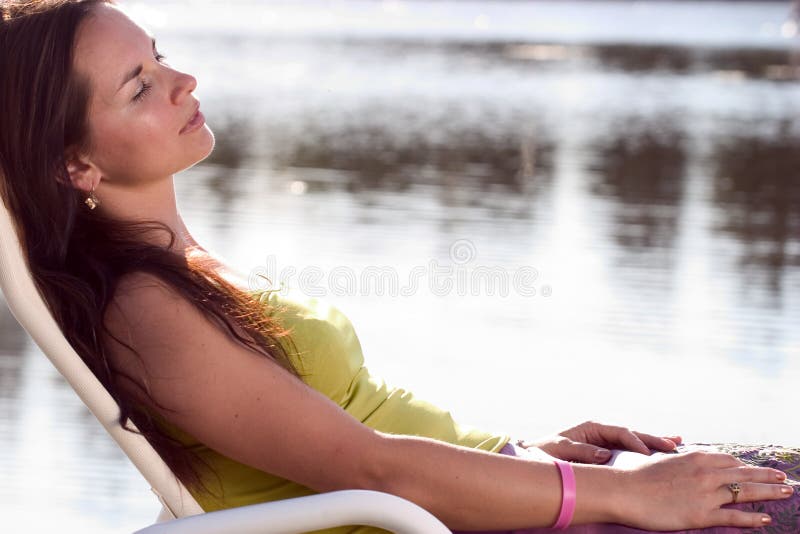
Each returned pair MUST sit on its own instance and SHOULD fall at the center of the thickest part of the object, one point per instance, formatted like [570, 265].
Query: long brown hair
[77, 257]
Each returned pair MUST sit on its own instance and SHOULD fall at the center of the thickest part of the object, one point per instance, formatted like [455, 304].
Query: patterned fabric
[785, 513]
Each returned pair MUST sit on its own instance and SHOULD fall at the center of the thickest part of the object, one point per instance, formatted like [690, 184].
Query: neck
[154, 201]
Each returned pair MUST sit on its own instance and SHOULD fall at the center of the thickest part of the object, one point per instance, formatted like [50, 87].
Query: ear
[83, 174]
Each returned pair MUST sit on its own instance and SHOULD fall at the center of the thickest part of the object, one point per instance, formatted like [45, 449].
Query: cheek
[144, 131]
[137, 147]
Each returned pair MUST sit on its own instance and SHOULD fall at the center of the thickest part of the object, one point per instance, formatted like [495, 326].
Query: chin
[204, 148]
[212, 142]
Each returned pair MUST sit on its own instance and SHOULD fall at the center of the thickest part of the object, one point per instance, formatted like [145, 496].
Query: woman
[250, 396]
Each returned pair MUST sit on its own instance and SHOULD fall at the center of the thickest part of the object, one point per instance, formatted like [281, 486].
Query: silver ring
[735, 489]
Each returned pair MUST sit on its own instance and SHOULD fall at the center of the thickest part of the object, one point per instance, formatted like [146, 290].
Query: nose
[184, 85]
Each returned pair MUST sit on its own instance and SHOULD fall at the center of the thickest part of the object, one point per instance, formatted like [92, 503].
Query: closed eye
[144, 87]
[143, 90]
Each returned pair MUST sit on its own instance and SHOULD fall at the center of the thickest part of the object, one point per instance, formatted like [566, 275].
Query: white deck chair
[180, 512]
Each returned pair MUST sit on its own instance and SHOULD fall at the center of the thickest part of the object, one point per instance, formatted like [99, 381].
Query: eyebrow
[133, 73]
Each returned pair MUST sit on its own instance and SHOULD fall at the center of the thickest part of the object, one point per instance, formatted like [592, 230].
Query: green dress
[328, 352]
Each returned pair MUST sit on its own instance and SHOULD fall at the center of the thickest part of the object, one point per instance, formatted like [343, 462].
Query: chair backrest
[28, 307]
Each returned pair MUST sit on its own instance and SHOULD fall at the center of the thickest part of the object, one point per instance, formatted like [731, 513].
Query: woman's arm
[248, 408]
[471, 489]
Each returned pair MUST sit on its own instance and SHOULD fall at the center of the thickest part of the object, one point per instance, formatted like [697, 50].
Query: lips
[195, 121]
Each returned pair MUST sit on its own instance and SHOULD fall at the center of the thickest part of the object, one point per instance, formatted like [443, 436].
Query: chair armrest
[314, 512]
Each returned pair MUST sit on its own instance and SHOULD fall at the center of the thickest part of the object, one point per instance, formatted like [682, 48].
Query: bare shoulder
[141, 303]
[218, 391]
[138, 290]
[141, 296]
[154, 329]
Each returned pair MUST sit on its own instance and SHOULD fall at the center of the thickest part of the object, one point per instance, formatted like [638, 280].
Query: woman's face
[139, 107]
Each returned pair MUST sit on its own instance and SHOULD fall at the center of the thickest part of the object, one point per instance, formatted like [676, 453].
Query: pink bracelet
[568, 492]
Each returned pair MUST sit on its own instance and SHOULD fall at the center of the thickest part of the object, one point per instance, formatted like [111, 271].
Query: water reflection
[640, 167]
[13, 343]
[371, 155]
[14, 340]
[233, 144]
[222, 186]
[756, 185]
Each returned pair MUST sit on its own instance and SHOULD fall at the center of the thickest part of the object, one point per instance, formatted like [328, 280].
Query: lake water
[494, 193]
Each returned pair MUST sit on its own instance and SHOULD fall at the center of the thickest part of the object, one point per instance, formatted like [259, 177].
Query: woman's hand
[687, 491]
[588, 442]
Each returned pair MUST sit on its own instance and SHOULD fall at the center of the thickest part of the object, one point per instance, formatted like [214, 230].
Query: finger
[751, 473]
[754, 491]
[730, 517]
[584, 452]
[655, 442]
[626, 438]
[674, 439]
